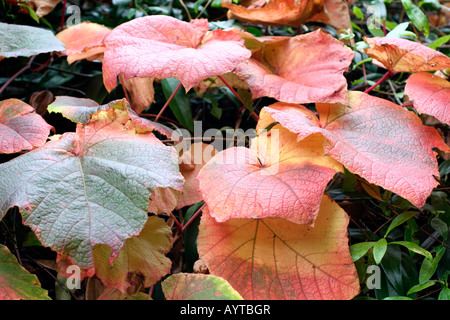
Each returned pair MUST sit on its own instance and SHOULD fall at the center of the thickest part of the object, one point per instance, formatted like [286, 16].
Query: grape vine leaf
[273, 12]
[401, 55]
[374, 138]
[21, 128]
[143, 255]
[275, 66]
[430, 95]
[164, 47]
[273, 258]
[15, 282]
[80, 110]
[84, 41]
[89, 187]
[18, 40]
[189, 286]
[276, 177]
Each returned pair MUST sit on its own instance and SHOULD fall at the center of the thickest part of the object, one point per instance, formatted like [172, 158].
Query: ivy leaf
[276, 177]
[164, 47]
[21, 128]
[430, 95]
[17, 40]
[280, 260]
[396, 154]
[188, 286]
[401, 55]
[15, 282]
[273, 12]
[89, 187]
[274, 68]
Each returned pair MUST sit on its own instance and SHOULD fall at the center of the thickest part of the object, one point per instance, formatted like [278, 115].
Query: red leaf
[21, 128]
[277, 177]
[401, 55]
[277, 259]
[431, 95]
[274, 69]
[374, 138]
[164, 47]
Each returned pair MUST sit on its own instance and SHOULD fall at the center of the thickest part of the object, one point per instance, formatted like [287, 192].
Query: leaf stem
[179, 226]
[237, 96]
[18, 73]
[381, 80]
[168, 101]
[193, 217]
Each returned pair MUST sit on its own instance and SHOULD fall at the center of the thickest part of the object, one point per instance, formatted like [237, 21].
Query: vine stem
[193, 217]
[168, 101]
[237, 96]
[18, 73]
[381, 80]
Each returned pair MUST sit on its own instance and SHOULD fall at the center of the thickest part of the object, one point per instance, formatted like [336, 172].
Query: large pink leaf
[163, 47]
[374, 138]
[431, 95]
[21, 128]
[280, 260]
[276, 177]
[303, 69]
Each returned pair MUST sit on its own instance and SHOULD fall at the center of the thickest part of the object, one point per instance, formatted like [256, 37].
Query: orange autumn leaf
[374, 138]
[41, 7]
[191, 162]
[276, 259]
[84, 41]
[273, 12]
[276, 177]
[335, 13]
[303, 69]
[401, 55]
[430, 95]
[143, 255]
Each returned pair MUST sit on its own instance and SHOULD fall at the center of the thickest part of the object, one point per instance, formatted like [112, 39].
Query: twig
[204, 8]
[186, 9]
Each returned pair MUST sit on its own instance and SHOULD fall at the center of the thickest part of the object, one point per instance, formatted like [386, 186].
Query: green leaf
[379, 249]
[400, 219]
[417, 17]
[358, 250]
[444, 294]
[414, 248]
[180, 104]
[421, 286]
[15, 282]
[188, 286]
[90, 187]
[440, 226]
[26, 41]
[398, 298]
[436, 44]
[429, 266]
[400, 31]
[31, 12]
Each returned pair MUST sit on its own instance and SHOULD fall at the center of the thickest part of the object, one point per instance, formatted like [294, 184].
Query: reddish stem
[168, 101]
[18, 73]
[384, 27]
[63, 14]
[179, 226]
[193, 217]
[237, 96]
[381, 80]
